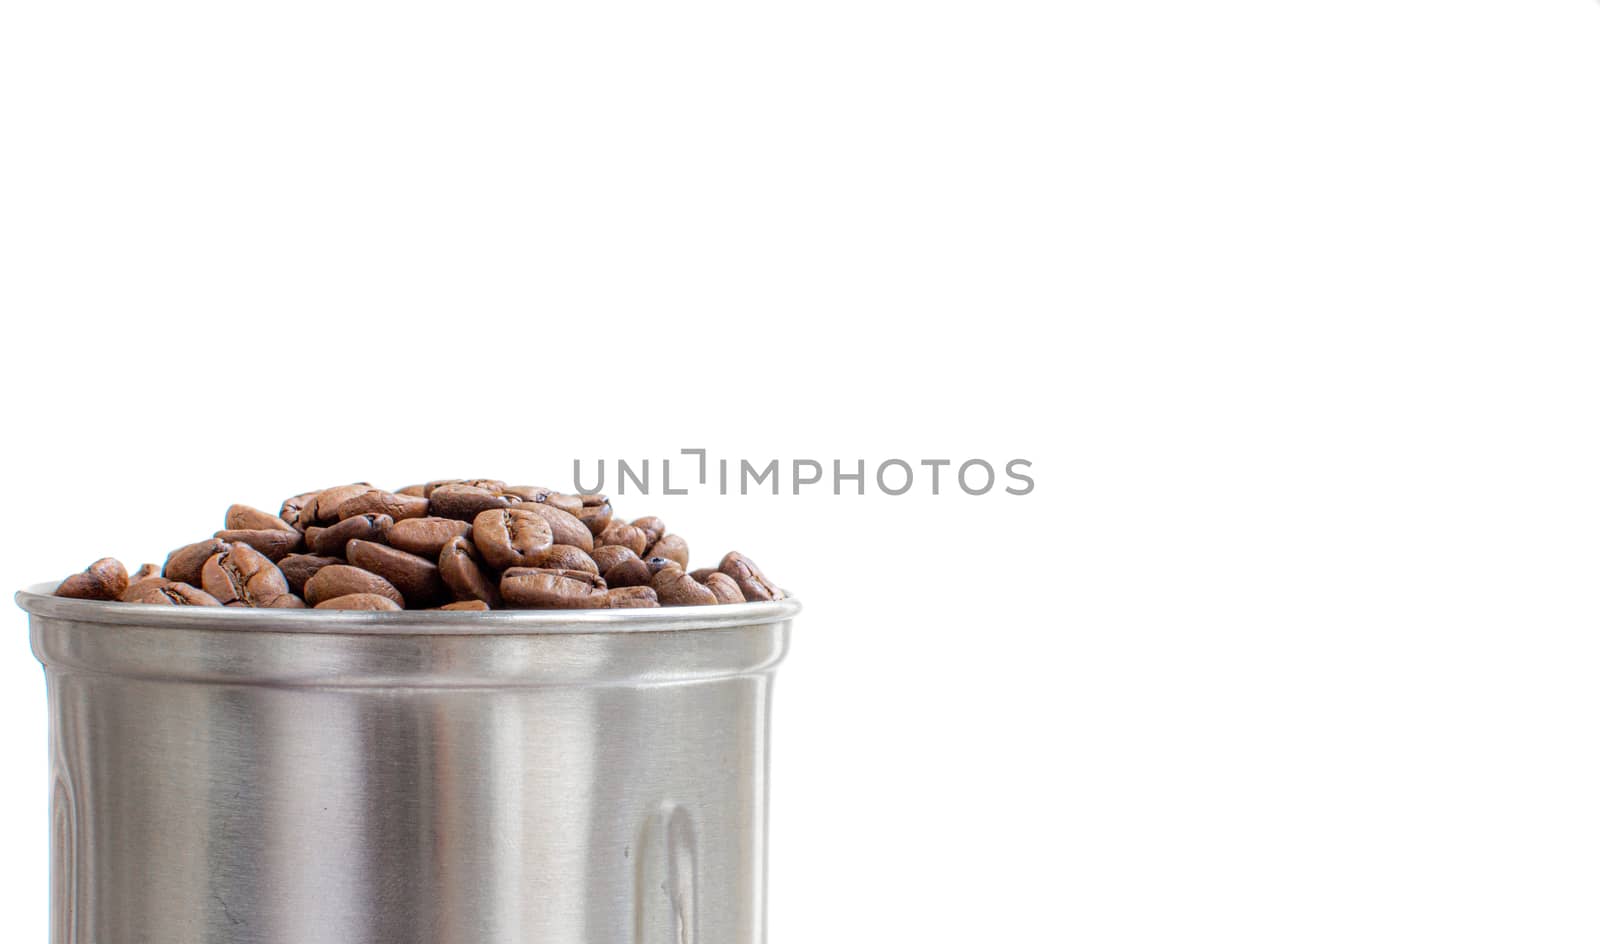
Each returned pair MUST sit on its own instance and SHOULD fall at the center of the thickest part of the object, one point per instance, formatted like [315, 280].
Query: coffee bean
[489, 485]
[624, 535]
[293, 509]
[105, 579]
[562, 557]
[595, 513]
[337, 580]
[245, 518]
[287, 601]
[674, 587]
[532, 588]
[632, 572]
[145, 572]
[752, 582]
[630, 597]
[565, 528]
[274, 544]
[652, 526]
[544, 496]
[163, 592]
[421, 491]
[702, 573]
[417, 578]
[359, 601]
[656, 564]
[721, 586]
[607, 556]
[299, 568]
[461, 572]
[380, 502]
[242, 576]
[464, 502]
[183, 565]
[506, 537]
[464, 605]
[332, 540]
[671, 547]
[324, 508]
[426, 536]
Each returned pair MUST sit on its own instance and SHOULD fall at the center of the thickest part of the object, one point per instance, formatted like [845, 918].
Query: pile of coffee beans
[453, 544]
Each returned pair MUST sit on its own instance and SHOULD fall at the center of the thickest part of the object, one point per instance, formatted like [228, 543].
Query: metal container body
[461, 778]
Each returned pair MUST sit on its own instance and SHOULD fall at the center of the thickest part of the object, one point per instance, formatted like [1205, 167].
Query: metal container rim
[40, 600]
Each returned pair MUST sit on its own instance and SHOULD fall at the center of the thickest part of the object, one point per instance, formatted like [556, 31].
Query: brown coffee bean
[721, 586]
[298, 568]
[532, 588]
[507, 536]
[630, 597]
[245, 518]
[145, 572]
[464, 502]
[288, 601]
[702, 573]
[163, 592]
[380, 502]
[632, 572]
[324, 508]
[417, 578]
[538, 494]
[105, 579]
[426, 536]
[331, 540]
[183, 565]
[674, 587]
[274, 544]
[671, 547]
[311, 536]
[359, 601]
[752, 582]
[595, 513]
[565, 528]
[624, 535]
[488, 485]
[562, 557]
[464, 605]
[461, 572]
[292, 511]
[421, 491]
[242, 576]
[652, 526]
[337, 580]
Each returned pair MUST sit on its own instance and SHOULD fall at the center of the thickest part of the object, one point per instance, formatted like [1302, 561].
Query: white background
[1292, 306]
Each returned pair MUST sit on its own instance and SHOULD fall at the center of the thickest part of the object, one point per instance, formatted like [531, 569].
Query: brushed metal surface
[397, 778]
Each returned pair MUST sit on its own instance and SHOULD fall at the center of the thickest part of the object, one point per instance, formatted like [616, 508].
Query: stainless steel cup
[316, 777]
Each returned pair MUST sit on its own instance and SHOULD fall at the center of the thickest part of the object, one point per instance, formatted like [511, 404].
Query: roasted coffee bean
[288, 601]
[311, 536]
[464, 502]
[671, 547]
[464, 605]
[324, 509]
[183, 565]
[163, 592]
[721, 586]
[359, 601]
[752, 582]
[632, 572]
[337, 580]
[624, 535]
[532, 588]
[506, 537]
[417, 578]
[607, 556]
[489, 485]
[460, 570]
[298, 568]
[562, 557]
[595, 513]
[242, 576]
[145, 572]
[544, 496]
[421, 491]
[674, 587]
[618, 598]
[245, 518]
[331, 540]
[565, 528]
[652, 526]
[105, 579]
[274, 544]
[380, 502]
[293, 510]
[657, 564]
[426, 536]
